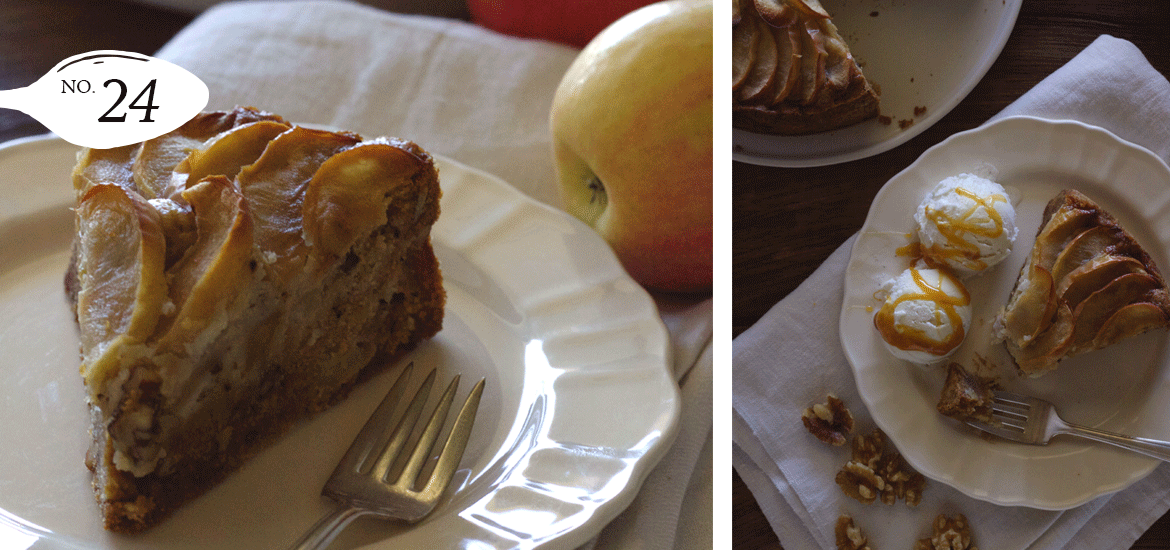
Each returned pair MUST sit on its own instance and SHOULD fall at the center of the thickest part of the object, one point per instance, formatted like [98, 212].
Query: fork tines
[1010, 410]
[371, 458]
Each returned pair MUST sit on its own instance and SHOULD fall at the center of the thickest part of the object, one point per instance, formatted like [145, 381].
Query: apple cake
[792, 73]
[231, 277]
[966, 396]
[1086, 285]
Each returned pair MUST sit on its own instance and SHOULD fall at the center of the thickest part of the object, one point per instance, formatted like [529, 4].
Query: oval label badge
[109, 98]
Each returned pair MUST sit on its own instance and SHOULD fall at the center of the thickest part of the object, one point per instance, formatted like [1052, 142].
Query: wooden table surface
[780, 226]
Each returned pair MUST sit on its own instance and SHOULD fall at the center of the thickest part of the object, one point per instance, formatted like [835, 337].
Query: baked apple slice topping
[156, 158]
[793, 72]
[109, 166]
[1065, 224]
[788, 45]
[1131, 320]
[1092, 313]
[215, 267]
[812, 62]
[1087, 285]
[121, 253]
[761, 76]
[1095, 274]
[1032, 306]
[839, 65]
[1083, 248]
[777, 13]
[813, 8]
[744, 37]
[349, 196]
[227, 153]
[1043, 352]
[276, 205]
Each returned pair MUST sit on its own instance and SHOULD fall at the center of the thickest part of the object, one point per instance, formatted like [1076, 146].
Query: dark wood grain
[787, 221]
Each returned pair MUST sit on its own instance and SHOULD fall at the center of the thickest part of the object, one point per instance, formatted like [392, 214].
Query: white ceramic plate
[1123, 388]
[920, 53]
[580, 402]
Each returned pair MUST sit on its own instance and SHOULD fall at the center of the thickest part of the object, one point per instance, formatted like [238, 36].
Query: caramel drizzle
[912, 339]
[954, 228]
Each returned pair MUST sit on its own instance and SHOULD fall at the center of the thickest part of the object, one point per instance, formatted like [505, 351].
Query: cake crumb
[919, 111]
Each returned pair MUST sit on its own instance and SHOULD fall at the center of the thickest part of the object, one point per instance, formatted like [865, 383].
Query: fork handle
[327, 528]
[1149, 447]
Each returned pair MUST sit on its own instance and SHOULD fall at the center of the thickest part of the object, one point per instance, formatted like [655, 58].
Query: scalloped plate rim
[620, 491]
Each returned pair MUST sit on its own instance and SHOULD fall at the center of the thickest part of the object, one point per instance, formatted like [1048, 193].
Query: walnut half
[860, 482]
[877, 470]
[849, 536]
[902, 482]
[830, 421]
[950, 533]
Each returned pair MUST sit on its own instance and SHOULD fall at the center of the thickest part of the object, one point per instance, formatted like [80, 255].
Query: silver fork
[361, 480]
[1032, 420]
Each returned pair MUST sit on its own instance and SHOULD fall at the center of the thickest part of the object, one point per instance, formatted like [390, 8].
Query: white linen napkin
[479, 98]
[792, 357]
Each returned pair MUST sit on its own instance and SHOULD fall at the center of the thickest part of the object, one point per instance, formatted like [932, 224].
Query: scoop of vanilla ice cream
[925, 315]
[966, 223]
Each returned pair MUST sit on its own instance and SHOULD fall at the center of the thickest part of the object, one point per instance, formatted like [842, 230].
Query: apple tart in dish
[792, 72]
[231, 277]
[1087, 285]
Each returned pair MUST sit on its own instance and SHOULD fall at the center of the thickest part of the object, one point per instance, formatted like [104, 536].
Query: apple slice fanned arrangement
[234, 276]
[792, 73]
[1086, 285]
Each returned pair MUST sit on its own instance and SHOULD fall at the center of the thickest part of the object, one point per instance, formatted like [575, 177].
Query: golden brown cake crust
[857, 103]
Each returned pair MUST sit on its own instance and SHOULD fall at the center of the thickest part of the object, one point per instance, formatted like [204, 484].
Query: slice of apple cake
[231, 277]
[792, 72]
[1086, 285]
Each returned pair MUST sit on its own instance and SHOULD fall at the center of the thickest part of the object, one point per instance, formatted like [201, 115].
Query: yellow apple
[632, 139]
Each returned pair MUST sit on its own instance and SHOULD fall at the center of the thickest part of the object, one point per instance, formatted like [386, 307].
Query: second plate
[1125, 388]
[916, 66]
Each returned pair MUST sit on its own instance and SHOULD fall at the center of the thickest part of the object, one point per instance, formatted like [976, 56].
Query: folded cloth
[792, 357]
[456, 89]
[479, 98]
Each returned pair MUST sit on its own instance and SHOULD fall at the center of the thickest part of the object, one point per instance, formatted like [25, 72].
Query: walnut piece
[950, 533]
[902, 482]
[860, 482]
[830, 421]
[868, 449]
[849, 536]
[877, 470]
